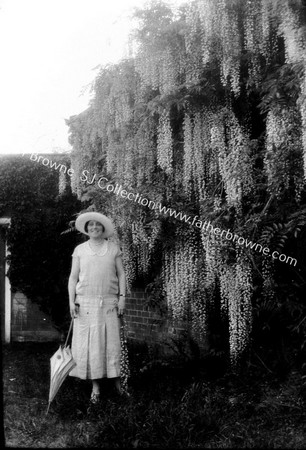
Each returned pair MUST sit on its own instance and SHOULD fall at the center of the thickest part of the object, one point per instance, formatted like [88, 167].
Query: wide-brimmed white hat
[83, 218]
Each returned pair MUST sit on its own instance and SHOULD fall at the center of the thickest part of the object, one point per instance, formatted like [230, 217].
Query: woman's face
[95, 229]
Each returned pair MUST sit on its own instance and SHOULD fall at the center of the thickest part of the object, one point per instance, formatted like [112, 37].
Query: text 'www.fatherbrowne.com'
[103, 184]
[191, 220]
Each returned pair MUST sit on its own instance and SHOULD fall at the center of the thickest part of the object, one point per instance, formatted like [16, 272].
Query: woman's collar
[100, 251]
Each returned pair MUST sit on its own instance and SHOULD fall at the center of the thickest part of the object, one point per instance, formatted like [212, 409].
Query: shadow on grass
[173, 404]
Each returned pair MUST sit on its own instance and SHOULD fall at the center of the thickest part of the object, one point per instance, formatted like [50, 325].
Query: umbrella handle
[69, 332]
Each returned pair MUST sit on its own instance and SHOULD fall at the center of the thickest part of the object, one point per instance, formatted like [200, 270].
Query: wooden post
[6, 302]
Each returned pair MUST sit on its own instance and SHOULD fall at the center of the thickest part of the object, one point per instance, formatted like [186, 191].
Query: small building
[21, 319]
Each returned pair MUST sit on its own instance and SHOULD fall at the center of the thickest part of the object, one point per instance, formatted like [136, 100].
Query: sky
[49, 53]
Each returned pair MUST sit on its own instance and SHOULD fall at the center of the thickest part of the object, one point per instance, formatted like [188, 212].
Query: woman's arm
[73, 279]
[121, 278]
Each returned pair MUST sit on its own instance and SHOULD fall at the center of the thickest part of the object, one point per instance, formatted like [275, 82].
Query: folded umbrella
[124, 360]
[61, 363]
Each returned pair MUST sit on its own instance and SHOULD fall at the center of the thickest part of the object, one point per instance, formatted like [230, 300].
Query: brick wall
[145, 324]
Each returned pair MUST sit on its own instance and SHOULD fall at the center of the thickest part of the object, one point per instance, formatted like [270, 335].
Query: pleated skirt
[96, 338]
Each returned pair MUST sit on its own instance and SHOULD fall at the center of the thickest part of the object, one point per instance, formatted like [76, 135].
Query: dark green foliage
[281, 86]
[40, 256]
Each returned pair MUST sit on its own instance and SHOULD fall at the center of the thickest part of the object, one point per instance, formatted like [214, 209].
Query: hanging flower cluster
[218, 147]
[230, 142]
[146, 152]
[268, 277]
[236, 164]
[254, 38]
[282, 139]
[292, 32]
[158, 65]
[141, 247]
[147, 65]
[213, 261]
[144, 238]
[194, 58]
[179, 272]
[164, 142]
[175, 269]
[124, 359]
[213, 31]
[302, 102]
[168, 71]
[291, 29]
[62, 182]
[208, 26]
[236, 293]
[213, 27]
[201, 150]
[129, 257]
[199, 303]
[83, 139]
[198, 160]
[275, 158]
[188, 154]
[268, 45]
[230, 46]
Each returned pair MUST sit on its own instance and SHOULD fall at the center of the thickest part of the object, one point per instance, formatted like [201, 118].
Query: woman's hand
[74, 310]
[121, 306]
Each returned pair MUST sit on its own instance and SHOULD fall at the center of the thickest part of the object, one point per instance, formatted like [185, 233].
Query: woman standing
[97, 301]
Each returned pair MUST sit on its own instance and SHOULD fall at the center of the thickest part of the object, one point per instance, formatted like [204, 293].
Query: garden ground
[173, 404]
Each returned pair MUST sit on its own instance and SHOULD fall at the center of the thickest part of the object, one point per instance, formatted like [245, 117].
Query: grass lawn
[172, 405]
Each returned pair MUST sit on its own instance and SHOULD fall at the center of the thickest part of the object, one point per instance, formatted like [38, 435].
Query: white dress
[96, 330]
